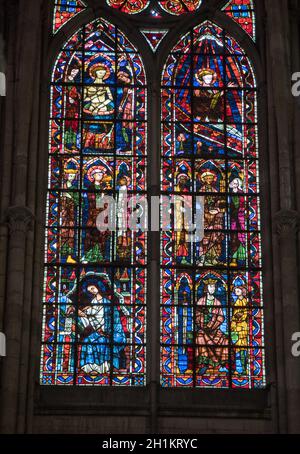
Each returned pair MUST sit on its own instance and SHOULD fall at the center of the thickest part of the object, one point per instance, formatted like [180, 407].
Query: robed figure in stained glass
[69, 210]
[185, 324]
[126, 105]
[209, 116]
[98, 179]
[208, 103]
[240, 328]
[123, 236]
[101, 324]
[99, 104]
[181, 205]
[99, 99]
[98, 113]
[210, 337]
[237, 207]
[73, 103]
[211, 246]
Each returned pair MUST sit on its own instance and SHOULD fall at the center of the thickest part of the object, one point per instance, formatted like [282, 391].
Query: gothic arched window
[211, 314]
[95, 280]
[95, 286]
[65, 10]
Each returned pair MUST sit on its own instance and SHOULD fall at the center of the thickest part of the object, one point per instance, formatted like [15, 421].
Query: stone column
[286, 219]
[295, 52]
[6, 121]
[18, 183]
[287, 224]
[19, 220]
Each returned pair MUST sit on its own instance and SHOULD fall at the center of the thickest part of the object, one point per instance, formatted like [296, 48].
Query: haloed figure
[237, 209]
[208, 102]
[99, 99]
[210, 338]
[96, 244]
[69, 210]
[240, 329]
[102, 332]
[99, 104]
[126, 108]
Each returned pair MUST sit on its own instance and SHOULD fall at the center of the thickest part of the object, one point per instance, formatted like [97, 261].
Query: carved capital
[287, 222]
[19, 219]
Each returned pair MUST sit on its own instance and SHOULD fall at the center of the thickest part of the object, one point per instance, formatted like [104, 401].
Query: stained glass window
[129, 6]
[64, 10]
[211, 289]
[154, 37]
[95, 280]
[175, 7]
[242, 12]
[178, 7]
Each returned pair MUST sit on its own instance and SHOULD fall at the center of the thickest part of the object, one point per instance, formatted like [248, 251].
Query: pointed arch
[210, 149]
[243, 13]
[94, 298]
[64, 11]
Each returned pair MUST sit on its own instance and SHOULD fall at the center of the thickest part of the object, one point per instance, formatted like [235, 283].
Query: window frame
[152, 399]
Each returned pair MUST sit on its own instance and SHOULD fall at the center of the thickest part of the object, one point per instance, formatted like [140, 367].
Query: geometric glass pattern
[65, 10]
[94, 305]
[242, 12]
[154, 37]
[178, 7]
[212, 331]
[129, 6]
[175, 7]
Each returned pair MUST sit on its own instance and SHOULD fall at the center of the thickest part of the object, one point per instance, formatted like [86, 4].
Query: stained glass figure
[65, 10]
[94, 304]
[242, 12]
[178, 7]
[129, 6]
[211, 288]
[154, 37]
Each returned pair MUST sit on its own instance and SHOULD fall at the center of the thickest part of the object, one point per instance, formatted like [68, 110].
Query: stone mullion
[153, 319]
[31, 304]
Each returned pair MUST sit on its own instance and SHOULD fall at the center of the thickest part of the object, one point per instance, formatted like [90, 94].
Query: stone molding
[19, 219]
[287, 222]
